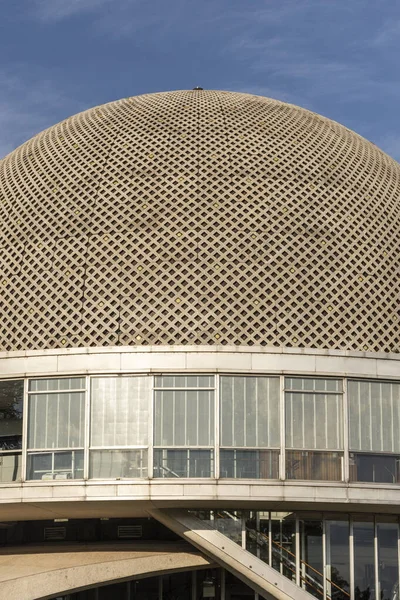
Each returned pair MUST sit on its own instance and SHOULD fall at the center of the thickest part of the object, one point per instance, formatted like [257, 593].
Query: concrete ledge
[50, 500]
[230, 359]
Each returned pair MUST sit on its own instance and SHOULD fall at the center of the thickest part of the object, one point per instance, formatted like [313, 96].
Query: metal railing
[309, 575]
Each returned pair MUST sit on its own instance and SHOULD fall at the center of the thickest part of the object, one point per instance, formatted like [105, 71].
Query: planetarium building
[199, 356]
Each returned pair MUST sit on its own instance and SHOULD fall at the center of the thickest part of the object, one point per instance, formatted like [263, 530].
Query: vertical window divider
[243, 526]
[269, 539]
[24, 450]
[297, 558]
[150, 451]
[216, 425]
[398, 549]
[223, 586]
[351, 556]
[87, 429]
[346, 455]
[324, 556]
[282, 460]
[376, 559]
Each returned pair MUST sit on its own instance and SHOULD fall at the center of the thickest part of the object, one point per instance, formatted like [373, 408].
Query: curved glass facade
[200, 426]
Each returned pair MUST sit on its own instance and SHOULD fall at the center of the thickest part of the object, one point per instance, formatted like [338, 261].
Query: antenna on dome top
[198, 88]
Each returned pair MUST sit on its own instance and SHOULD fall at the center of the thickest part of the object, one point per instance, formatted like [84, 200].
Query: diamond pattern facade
[199, 217]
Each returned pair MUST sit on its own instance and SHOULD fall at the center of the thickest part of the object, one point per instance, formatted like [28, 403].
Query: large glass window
[249, 421]
[184, 426]
[374, 431]
[56, 428]
[337, 557]
[11, 408]
[388, 569]
[314, 428]
[119, 420]
[364, 569]
[311, 555]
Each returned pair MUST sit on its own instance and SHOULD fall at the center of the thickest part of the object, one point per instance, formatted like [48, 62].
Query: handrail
[302, 562]
[293, 563]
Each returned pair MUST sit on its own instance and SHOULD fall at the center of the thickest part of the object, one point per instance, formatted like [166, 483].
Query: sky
[339, 58]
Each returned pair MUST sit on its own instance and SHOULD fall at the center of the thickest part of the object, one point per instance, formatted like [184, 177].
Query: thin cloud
[57, 10]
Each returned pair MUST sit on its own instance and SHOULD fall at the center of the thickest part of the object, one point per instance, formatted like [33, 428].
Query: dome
[199, 217]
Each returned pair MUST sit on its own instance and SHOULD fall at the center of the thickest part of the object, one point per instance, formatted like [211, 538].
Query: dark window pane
[311, 559]
[364, 571]
[11, 406]
[323, 466]
[387, 559]
[249, 464]
[338, 559]
[379, 468]
[183, 463]
[283, 529]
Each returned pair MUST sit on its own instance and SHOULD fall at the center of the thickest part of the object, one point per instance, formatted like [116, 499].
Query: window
[249, 421]
[56, 427]
[314, 428]
[184, 426]
[11, 409]
[119, 427]
[374, 431]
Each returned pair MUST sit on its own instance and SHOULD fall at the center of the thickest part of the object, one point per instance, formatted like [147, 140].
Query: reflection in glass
[177, 585]
[364, 573]
[387, 559]
[11, 409]
[311, 555]
[283, 527]
[115, 464]
[337, 559]
[257, 534]
[306, 464]
[10, 467]
[11, 406]
[55, 465]
[183, 463]
[378, 468]
[249, 464]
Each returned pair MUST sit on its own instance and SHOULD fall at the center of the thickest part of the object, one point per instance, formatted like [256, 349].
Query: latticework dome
[199, 217]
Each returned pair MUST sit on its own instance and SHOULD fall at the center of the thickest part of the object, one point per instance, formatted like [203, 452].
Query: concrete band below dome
[243, 359]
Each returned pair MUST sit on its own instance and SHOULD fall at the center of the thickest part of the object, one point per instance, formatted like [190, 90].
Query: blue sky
[339, 58]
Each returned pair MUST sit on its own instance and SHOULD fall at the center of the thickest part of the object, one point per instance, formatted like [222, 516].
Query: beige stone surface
[38, 572]
[199, 217]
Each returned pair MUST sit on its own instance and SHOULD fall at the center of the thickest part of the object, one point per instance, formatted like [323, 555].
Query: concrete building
[199, 356]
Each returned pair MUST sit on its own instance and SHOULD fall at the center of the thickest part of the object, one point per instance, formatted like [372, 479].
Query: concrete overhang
[41, 572]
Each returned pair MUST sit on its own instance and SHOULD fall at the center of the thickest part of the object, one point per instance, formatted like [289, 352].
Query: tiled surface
[199, 217]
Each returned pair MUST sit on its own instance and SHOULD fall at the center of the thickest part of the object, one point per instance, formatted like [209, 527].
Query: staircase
[254, 572]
